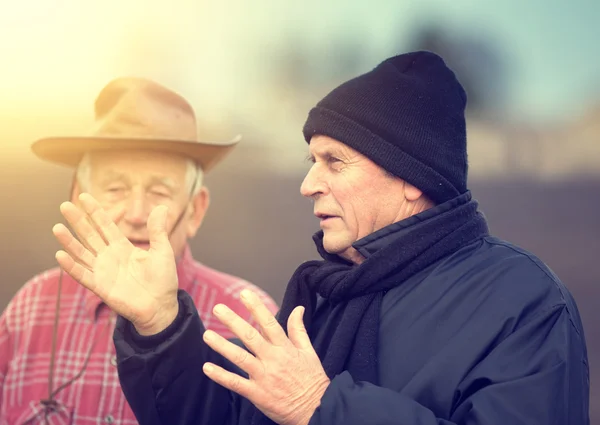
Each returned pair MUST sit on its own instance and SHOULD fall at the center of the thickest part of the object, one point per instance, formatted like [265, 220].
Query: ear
[411, 193]
[200, 205]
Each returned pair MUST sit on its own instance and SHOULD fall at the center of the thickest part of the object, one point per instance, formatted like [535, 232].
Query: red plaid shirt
[26, 328]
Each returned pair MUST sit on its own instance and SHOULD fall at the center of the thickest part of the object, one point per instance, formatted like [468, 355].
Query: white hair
[194, 176]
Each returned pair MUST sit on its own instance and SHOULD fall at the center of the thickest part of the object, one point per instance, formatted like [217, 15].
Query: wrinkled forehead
[138, 164]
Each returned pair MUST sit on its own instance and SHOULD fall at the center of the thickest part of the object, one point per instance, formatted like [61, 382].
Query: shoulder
[522, 269]
[37, 296]
[516, 281]
[40, 285]
[492, 279]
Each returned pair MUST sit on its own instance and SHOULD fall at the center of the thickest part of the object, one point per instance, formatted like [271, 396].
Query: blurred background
[531, 70]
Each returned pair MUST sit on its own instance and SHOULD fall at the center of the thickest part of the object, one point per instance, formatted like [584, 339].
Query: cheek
[361, 209]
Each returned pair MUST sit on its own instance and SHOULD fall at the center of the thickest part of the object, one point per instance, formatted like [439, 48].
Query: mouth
[324, 217]
[140, 243]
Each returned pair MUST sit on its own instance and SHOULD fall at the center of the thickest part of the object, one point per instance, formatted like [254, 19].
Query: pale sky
[61, 52]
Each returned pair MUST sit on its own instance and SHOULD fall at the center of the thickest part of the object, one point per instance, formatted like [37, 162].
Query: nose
[313, 184]
[137, 210]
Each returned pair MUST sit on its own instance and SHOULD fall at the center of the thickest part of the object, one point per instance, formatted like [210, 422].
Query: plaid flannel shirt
[86, 325]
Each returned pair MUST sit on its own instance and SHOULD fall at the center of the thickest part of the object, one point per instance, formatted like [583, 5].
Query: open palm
[137, 284]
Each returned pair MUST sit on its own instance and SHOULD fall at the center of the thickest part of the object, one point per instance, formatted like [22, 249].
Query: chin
[334, 245]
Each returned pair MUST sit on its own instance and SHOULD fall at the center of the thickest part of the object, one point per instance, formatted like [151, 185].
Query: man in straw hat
[57, 358]
[416, 315]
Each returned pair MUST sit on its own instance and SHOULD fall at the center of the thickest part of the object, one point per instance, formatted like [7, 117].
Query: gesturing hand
[137, 284]
[286, 378]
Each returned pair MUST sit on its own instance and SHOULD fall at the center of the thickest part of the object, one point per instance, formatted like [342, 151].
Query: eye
[160, 193]
[334, 162]
[115, 189]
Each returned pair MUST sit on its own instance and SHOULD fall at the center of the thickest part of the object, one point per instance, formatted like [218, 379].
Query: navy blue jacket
[488, 335]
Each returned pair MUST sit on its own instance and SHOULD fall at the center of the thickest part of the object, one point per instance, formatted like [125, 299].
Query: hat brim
[70, 150]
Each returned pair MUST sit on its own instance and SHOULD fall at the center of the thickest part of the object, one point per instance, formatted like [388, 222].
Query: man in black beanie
[415, 316]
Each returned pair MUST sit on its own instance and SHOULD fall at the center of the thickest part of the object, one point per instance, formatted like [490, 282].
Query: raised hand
[137, 284]
[286, 379]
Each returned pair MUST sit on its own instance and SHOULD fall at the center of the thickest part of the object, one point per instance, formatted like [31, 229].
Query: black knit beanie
[407, 116]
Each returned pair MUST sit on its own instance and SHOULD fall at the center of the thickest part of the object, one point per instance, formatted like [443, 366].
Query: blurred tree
[474, 59]
[347, 60]
[314, 70]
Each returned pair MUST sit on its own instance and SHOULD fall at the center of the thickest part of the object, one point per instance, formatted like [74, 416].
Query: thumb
[157, 228]
[296, 330]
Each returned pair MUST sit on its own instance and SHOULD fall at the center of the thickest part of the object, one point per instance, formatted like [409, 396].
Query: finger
[76, 270]
[78, 220]
[74, 248]
[242, 329]
[237, 355]
[267, 322]
[297, 330]
[62, 233]
[105, 225]
[157, 228]
[229, 380]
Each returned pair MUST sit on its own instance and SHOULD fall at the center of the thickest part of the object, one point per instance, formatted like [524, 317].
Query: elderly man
[416, 315]
[57, 359]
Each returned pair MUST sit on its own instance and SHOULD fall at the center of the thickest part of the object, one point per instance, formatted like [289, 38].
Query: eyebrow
[165, 181]
[327, 154]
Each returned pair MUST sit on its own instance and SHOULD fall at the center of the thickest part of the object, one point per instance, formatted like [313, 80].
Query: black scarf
[425, 239]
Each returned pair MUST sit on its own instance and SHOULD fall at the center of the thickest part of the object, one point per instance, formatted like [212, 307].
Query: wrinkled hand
[137, 284]
[286, 378]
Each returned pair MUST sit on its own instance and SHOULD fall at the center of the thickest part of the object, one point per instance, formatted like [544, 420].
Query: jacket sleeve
[162, 378]
[537, 376]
